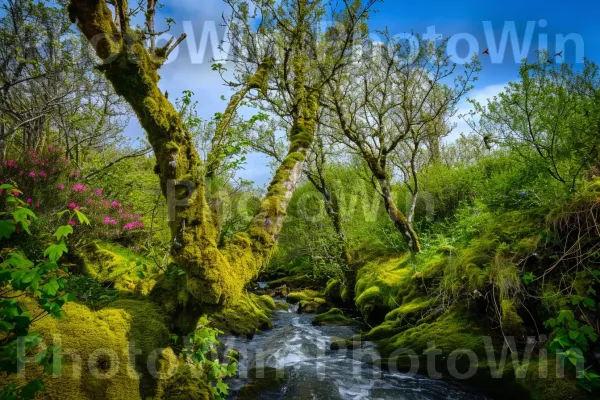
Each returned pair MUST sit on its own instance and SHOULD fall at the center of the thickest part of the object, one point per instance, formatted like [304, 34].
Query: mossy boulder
[265, 302]
[248, 316]
[333, 317]
[304, 295]
[282, 306]
[456, 329]
[381, 286]
[311, 306]
[97, 348]
[293, 282]
[187, 383]
[542, 382]
[264, 381]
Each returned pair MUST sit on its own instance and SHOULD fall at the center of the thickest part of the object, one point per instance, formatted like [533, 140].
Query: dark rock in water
[345, 344]
[264, 381]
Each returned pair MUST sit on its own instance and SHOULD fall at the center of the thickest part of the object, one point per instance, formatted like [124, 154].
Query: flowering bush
[50, 185]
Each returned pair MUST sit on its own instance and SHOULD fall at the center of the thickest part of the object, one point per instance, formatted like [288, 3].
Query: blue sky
[527, 25]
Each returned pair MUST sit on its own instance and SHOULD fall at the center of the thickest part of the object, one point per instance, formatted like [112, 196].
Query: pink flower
[72, 223]
[29, 201]
[74, 206]
[79, 188]
[99, 192]
[61, 186]
[106, 220]
[90, 201]
[50, 148]
[32, 174]
[43, 174]
[37, 204]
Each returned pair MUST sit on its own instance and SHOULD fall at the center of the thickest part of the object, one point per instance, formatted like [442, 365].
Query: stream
[312, 371]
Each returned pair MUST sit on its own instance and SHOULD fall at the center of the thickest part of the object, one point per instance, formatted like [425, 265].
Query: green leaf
[82, 218]
[573, 334]
[6, 326]
[30, 390]
[589, 303]
[22, 215]
[55, 251]
[51, 287]
[63, 231]
[222, 387]
[7, 228]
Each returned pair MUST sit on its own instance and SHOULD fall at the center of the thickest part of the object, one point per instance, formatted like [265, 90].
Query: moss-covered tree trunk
[398, 218]
[214, 276]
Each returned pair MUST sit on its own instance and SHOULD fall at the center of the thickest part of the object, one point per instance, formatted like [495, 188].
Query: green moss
[266, 302]
[310, 306]
[306, 295]
[294, 282]
[456, 329]
[247, 316]
[383, 285]
[335, 316]
[101, 339]
[542, 382]
[187, 383]
[411, 311]
[117, 266]
[511, 322]
[283, 306]
[333, 290]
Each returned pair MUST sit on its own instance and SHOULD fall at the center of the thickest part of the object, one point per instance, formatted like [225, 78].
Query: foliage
[44, 281]
[201, 348]
[571, 341]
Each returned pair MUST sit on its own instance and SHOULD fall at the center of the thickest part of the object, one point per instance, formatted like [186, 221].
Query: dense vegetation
[135, 257]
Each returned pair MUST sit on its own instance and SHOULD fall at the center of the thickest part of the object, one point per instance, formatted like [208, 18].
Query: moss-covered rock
[542, 382]
[282, 306]
[305, 295]
[263, 382]
[333, 317]
[187, 383]
[248, 316]
[265, 302]
[381, 286]
[456, 329]
[294, 282]
[333, 291]
[311, 306]
[97, 347]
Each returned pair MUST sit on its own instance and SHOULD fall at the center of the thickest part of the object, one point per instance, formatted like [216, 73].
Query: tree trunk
[400, 221]
[214, 276]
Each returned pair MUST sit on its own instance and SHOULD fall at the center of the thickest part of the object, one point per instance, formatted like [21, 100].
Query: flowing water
[312, 371]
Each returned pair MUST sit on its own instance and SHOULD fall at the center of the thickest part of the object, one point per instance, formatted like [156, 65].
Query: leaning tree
[395, 90]
[284, 62]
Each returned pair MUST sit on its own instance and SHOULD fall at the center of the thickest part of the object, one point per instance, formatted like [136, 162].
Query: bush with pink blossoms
[50, 184]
